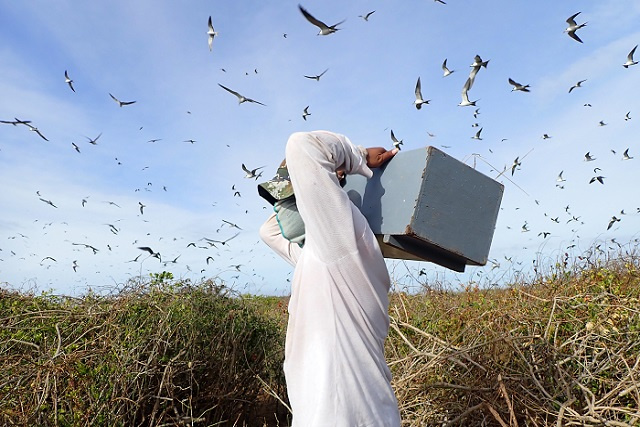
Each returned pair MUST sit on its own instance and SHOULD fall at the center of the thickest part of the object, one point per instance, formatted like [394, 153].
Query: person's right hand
[377, 156]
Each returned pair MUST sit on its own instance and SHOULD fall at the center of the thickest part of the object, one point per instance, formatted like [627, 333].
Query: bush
[161, 353]
[563, 350]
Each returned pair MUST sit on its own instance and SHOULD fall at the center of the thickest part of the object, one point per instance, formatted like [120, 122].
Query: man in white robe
[338, 312]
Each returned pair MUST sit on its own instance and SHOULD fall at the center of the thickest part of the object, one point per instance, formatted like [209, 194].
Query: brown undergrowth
[563, 350]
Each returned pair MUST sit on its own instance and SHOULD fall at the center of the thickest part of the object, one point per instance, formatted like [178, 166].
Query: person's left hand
[377, 156]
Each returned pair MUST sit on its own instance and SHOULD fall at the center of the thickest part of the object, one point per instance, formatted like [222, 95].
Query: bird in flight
[121, 103]
[150, 251]
[626, 156]
[241, 98]
[49, 202]
[573, 27]
[477, 135]
[231, 224]
[445, 70]
[93, 141]
[396, 143]
[612, 221]
[324, 28]
[518, 86]
[250, 173]
[36, 130]
[211, 33]
[317, 78]
[366, 16]
[577, 85]
[515, 165]
[68, 81]
[306, 113]
[212, 242]
[418, 92]
[630, 60]
[465, 94]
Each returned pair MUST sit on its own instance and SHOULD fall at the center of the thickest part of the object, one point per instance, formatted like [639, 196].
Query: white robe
[338, 320]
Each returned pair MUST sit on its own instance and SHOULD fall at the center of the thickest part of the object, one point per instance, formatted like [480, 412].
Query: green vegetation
[561, 349]
[164, 353]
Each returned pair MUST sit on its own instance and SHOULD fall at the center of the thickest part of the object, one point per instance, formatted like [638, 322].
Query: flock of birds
[252, 173]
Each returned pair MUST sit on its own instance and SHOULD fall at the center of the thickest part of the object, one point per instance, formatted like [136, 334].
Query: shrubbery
[163, 353]
[561, 349]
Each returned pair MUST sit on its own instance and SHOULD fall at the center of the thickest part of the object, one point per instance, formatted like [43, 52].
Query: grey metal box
[426, 205]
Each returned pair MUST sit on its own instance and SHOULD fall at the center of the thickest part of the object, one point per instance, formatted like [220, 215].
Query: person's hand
[378, 156]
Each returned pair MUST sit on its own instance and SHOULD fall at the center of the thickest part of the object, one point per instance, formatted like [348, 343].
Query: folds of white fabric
[338, 320]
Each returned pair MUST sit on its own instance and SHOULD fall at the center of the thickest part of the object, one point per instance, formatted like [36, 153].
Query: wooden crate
[426, 205]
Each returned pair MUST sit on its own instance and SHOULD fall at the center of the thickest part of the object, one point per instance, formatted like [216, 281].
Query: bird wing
[571, 20]
[630, 56]
[255, 102]
[513, 82]
[311, 18]
[230, 91]
[114, 98]
[418, 90]
[574, 36]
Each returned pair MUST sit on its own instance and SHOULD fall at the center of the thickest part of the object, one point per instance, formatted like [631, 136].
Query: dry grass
[560, 350]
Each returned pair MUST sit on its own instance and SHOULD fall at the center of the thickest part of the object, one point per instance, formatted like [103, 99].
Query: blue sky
[156, 53]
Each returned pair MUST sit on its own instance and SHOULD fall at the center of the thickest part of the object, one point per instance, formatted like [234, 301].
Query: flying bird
[396, 143]
[250, 173]
[211, 33]
[627, 116]
[68, 81]
[630, 60]
[418, 92]
[516, 163]
[573, 27]
[93, 141]
[142, 208]
[366, 16]
[150, 251]
[121, 103]
[306, 113]
[317, 77]
[612, 221]
[49, 202]
[518, 86]
[231, 224]
[445, 70]
[477, 135]
[75, 147]
[598, 178]
[465, 94]
[626, 156]
[577, 85]
[324, 28]
[36, 130]
[478, 62]
[588, 158]
[560, 178]
[241, 98]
